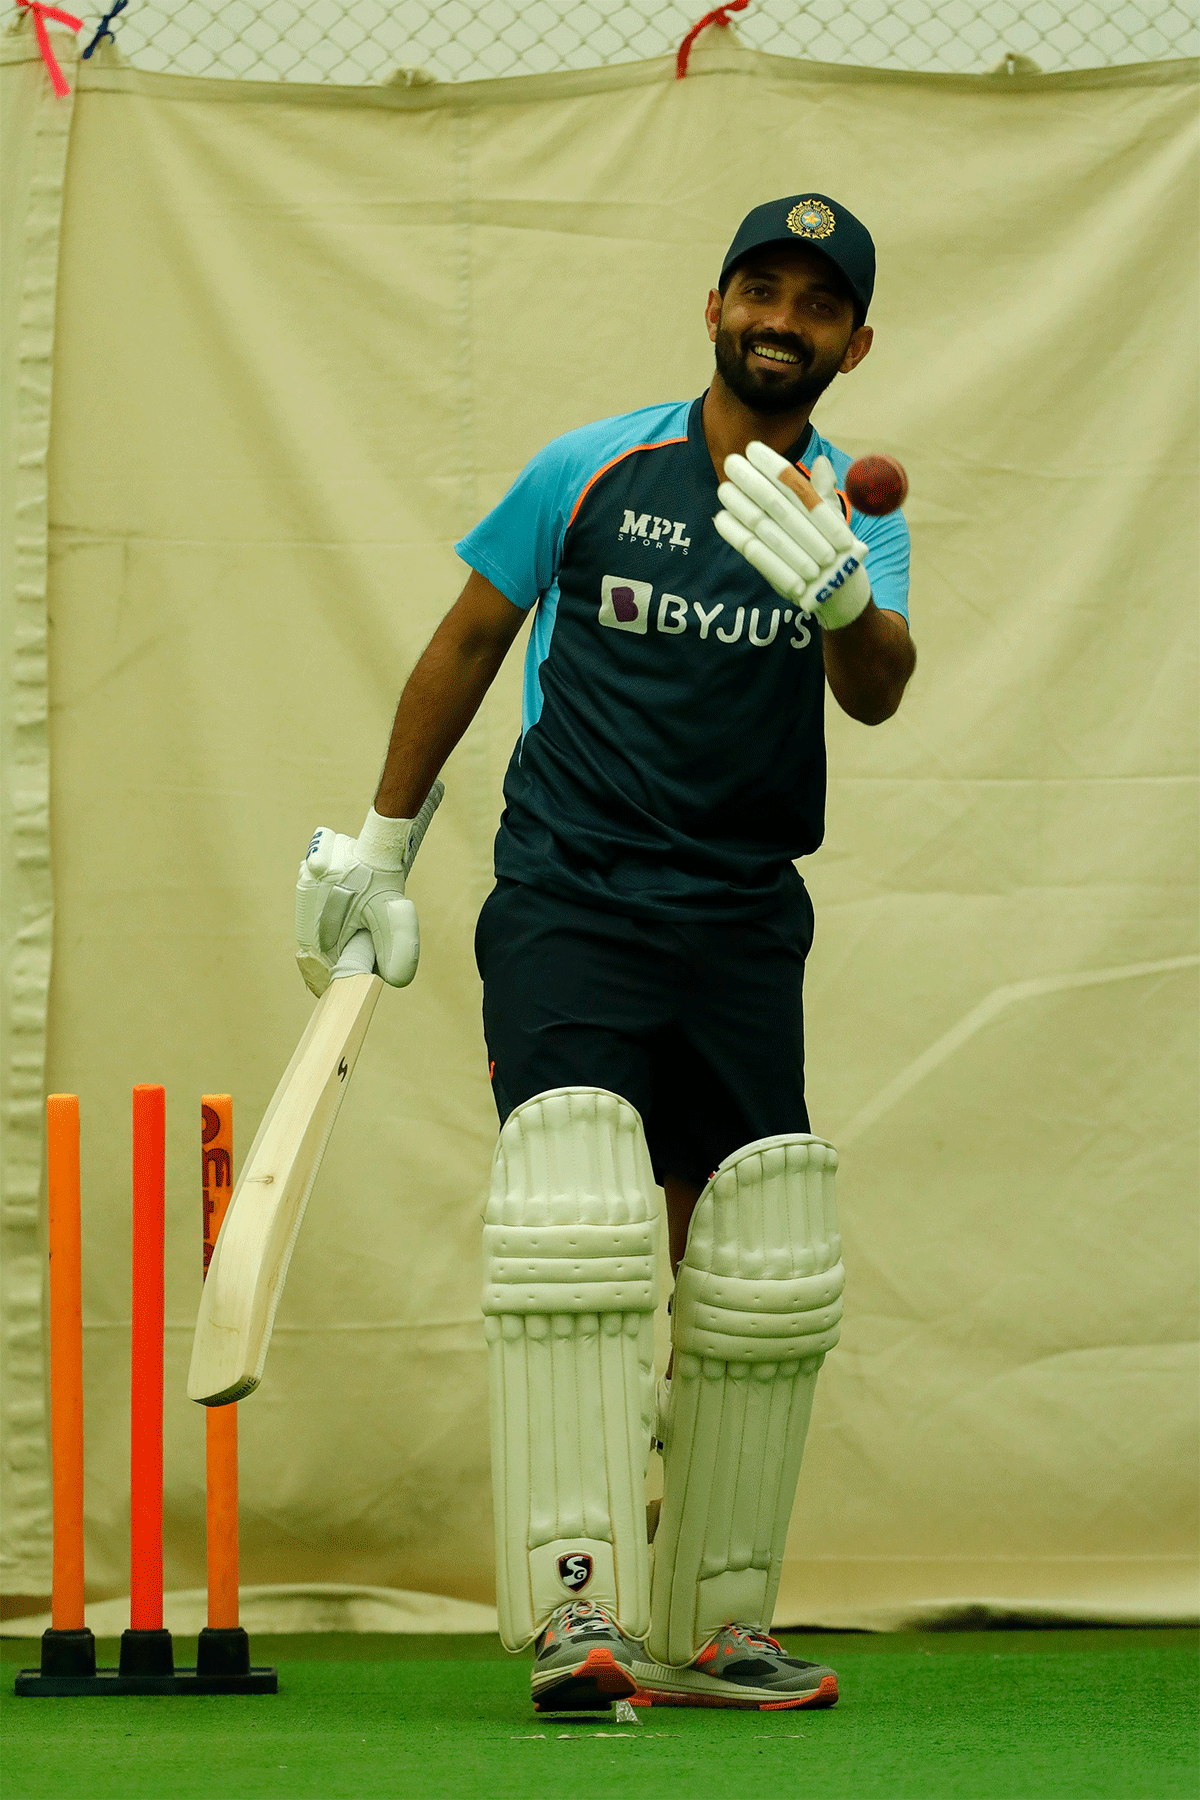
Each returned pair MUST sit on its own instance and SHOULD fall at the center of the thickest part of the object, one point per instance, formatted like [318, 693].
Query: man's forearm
[440, 698]
[868, 663]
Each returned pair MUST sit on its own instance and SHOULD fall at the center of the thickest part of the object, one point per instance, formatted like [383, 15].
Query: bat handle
[358, 958]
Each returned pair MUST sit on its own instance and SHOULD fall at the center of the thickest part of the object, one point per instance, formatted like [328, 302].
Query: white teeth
[775, 355]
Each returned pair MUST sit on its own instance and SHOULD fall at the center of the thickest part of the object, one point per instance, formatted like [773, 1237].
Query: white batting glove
[811, 558]
[352, 914]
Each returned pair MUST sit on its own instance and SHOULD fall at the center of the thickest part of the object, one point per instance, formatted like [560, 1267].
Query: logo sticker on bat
[343, 1069]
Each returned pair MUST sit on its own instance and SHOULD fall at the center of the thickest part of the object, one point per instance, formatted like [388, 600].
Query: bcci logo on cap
[575, 1571]
[625, 605]
[811, 219]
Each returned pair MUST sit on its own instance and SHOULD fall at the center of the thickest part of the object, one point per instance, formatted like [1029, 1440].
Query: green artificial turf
[1000, 1715]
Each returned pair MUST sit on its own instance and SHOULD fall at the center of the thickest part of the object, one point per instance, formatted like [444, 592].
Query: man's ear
[712, 314]
[857, 348]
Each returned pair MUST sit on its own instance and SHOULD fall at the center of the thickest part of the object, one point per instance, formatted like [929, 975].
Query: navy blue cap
[810, 219]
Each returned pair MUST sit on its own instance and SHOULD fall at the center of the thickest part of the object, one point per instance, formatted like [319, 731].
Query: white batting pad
[570, 1249]
[758, 1302]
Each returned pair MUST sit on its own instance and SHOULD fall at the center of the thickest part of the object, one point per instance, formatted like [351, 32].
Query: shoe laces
[581, 1616]
[755, 1639]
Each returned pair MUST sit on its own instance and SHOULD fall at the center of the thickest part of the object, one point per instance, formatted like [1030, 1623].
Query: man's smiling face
[784, 328]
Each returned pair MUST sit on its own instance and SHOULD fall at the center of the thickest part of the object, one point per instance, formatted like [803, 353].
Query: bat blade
[250, 1259]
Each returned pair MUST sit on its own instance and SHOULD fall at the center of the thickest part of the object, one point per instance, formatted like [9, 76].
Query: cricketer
[696, 580]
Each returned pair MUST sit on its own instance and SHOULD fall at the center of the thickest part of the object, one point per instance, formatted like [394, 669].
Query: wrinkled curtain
[300, 340]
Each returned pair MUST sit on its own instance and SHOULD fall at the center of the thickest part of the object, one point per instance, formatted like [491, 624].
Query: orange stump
[220, 1422]
[66, 1359]
[146, 1391]
[147, 1665]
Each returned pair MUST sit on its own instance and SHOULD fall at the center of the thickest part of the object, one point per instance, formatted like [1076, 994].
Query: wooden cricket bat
[250, 1260]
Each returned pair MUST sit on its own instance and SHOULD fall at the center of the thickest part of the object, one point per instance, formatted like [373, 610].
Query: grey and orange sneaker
[583, 1661]
[742, 1666]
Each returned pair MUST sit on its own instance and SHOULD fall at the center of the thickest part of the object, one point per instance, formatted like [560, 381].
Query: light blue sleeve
[887, 565]
[886, 538]
[518, 545]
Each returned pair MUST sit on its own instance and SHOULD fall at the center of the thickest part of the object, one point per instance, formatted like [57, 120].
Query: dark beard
[766, 390]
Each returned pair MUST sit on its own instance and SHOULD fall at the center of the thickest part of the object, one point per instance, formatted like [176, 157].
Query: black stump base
[68, 1666]
[68, 1653]
[222, 1651]
[146, 1653]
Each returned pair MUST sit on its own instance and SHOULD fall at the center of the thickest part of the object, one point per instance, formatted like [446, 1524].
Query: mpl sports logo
[648, 528]
[575, 1571]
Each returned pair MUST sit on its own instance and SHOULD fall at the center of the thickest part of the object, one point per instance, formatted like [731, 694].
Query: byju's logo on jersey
[625, 605]
[575, 1571]
[648, 528]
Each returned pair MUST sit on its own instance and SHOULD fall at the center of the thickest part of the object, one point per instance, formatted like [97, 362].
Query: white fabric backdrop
[304, 338]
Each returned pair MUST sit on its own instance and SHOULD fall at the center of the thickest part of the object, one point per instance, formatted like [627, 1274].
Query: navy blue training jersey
[672, 750]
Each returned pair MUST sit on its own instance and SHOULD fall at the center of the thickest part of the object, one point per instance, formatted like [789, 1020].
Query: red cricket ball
[876, 484]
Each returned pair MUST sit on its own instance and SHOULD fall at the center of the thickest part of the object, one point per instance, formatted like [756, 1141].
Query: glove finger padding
[329, 857]
[392, 921]
[351, 886]
[733, 531]
[784, 543]
[772, 567]
[789, 551]
[329, 853]
[781, 576]
[809, 556]
[341, 915]
[740, 505]
[773, 500]
[825, 481]
[825, 520]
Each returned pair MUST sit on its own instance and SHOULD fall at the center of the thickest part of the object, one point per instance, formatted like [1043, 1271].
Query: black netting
[368, 40]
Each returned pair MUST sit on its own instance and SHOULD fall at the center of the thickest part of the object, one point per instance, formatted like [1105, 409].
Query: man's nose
[778, 319]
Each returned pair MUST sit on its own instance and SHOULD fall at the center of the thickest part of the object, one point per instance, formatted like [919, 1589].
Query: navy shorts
[698, 1025]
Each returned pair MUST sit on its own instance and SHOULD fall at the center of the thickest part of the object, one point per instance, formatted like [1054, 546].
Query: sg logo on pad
[625, 605]
[575, 1571]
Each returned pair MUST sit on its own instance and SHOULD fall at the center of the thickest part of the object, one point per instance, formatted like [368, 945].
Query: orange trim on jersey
[661, 444]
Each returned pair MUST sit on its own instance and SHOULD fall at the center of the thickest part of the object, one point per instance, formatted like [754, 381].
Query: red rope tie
[718, 16]
[40, 12]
